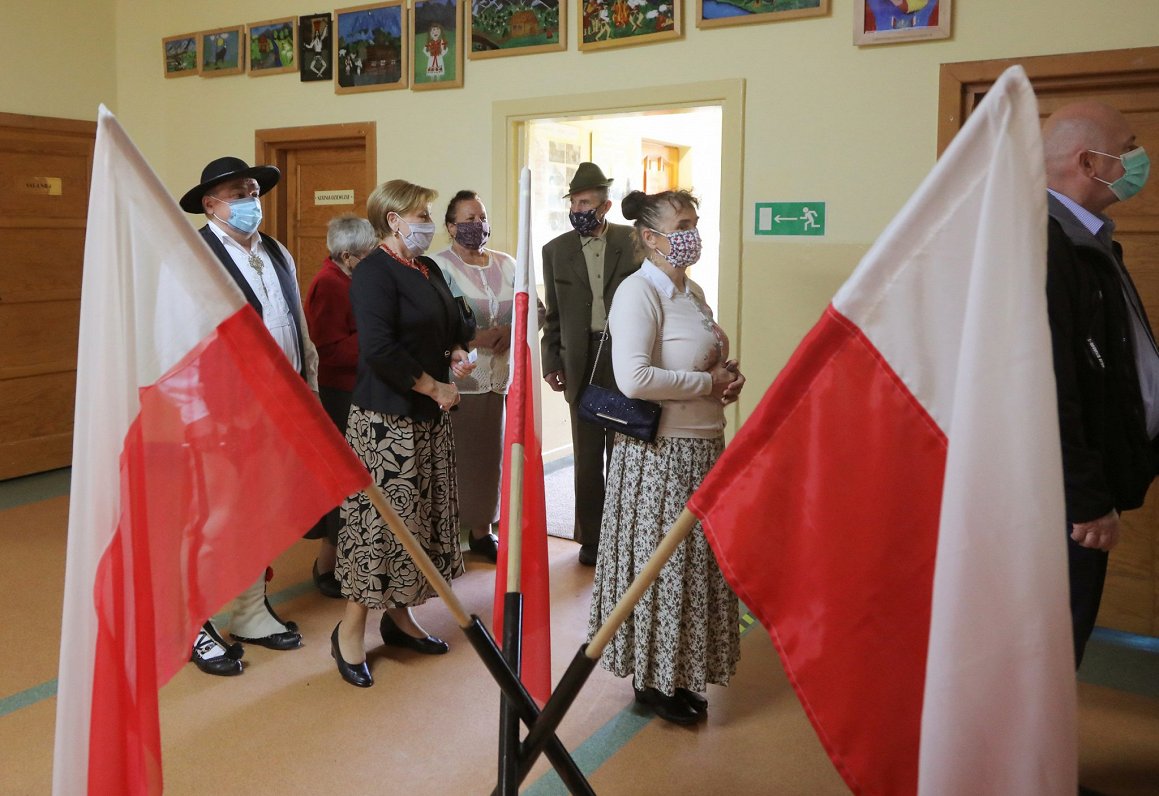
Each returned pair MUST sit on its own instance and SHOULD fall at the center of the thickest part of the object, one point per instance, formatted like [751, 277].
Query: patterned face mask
[685, 247]
[585, 222]
[472, 234]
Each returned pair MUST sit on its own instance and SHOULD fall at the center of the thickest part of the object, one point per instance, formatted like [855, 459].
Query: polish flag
[199, 455]
[893, 510]
[522, 439]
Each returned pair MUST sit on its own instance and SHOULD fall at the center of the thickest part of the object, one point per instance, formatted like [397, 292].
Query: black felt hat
[228, 168]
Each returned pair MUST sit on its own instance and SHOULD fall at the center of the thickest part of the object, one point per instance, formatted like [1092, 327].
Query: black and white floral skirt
[413, 463]
[685, 632]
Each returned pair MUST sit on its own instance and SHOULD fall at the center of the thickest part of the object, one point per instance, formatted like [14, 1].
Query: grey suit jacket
[568, 296]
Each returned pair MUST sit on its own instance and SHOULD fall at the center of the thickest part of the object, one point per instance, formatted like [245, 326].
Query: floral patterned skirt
[413, 463]
[685, 632]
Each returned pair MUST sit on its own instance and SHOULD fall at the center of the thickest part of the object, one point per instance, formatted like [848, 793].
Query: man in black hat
[581, 271]
[264, 271]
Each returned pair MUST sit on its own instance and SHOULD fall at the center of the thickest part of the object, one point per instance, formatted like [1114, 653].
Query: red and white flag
[893, 511]
[522, 436]
[198, 456]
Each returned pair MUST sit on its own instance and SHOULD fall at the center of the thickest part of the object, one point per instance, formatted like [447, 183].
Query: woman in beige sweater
[666, 347]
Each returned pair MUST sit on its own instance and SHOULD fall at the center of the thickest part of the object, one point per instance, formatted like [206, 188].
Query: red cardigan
[331, 322]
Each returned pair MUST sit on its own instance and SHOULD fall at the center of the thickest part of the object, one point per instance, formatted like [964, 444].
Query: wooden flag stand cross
[517, 758]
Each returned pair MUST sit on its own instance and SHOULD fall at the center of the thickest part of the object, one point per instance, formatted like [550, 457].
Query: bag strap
[604, 334]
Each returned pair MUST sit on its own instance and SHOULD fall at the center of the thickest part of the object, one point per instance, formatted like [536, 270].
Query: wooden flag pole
[484, 645]
[512, 623]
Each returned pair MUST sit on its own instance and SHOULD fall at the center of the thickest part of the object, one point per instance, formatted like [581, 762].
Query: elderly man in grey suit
[581, 271]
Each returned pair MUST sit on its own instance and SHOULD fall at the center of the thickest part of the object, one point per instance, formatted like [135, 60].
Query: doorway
[615, 130]
[676, 148]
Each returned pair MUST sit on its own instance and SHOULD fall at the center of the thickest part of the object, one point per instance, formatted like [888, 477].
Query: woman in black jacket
[411, 337]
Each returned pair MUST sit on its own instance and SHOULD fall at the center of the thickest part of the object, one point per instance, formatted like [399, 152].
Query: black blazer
[407, 325]
[1108, 461]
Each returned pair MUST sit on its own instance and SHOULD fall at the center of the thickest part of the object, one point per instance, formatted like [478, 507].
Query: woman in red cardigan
[331, 322]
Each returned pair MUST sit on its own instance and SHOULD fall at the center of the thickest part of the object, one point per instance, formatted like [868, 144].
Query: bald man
[1105, 360]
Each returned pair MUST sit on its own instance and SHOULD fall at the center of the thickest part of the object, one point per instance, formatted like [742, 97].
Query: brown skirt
[478, 424]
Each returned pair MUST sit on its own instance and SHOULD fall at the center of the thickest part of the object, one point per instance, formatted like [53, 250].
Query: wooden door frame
[271, 146]
[961, 84]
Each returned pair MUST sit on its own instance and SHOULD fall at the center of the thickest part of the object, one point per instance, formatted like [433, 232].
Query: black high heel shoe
[354, 673]
[395, 636]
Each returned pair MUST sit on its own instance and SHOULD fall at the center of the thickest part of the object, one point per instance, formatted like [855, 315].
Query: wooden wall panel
[45, 167]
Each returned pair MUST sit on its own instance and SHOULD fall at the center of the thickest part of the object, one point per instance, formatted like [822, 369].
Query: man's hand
[555, 380]
[1100, 534]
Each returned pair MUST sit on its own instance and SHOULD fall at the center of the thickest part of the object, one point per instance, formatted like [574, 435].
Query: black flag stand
[542, 732]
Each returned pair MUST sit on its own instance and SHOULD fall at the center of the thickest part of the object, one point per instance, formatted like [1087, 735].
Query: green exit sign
[790, 218]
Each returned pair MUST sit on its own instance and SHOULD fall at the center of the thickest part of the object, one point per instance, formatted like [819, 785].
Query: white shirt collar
[660, 280]
[227, 239]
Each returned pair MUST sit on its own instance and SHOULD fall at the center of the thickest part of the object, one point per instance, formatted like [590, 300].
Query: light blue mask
[1136, 169]
[245, 215]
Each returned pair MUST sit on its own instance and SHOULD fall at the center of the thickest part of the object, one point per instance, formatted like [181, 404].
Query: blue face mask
[1136, 169]
[245, 215]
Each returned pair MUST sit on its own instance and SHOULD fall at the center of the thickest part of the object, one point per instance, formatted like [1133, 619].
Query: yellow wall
[824, 120]
[59, 58]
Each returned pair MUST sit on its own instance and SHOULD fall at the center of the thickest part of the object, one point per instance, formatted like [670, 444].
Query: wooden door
[326, 170]
[661, 166]
[1127, 80]
[45, 165]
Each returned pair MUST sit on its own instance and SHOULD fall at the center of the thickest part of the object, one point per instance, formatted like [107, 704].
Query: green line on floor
[22, 699]
[596, 750]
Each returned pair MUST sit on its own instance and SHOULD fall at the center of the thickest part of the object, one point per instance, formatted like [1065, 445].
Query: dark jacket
[1108, 460]
[407, 325]
[568, 294]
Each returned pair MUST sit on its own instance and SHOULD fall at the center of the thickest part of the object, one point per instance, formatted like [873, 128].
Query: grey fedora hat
[228, 168]
[587, 176]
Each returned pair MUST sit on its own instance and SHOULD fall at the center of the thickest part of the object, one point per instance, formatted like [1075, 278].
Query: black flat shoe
[354, 673]
[486, 546]
[227, 665]
[669, 708]
[394, 636]
[693, 699]
[327, 584]
[290, 640]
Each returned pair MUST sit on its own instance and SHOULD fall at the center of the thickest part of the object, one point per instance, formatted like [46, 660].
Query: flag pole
[484, 645]
[561, 699]
[512, 616]
[513, 595]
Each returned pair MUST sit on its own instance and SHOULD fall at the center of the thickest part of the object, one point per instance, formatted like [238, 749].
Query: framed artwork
[273, 46]
[514, 27]
[370, 48]
[317, 61]
[615, 23]
[887, 21]
[436, 47]
[222, 51]
[180, 55]
[721, 13]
